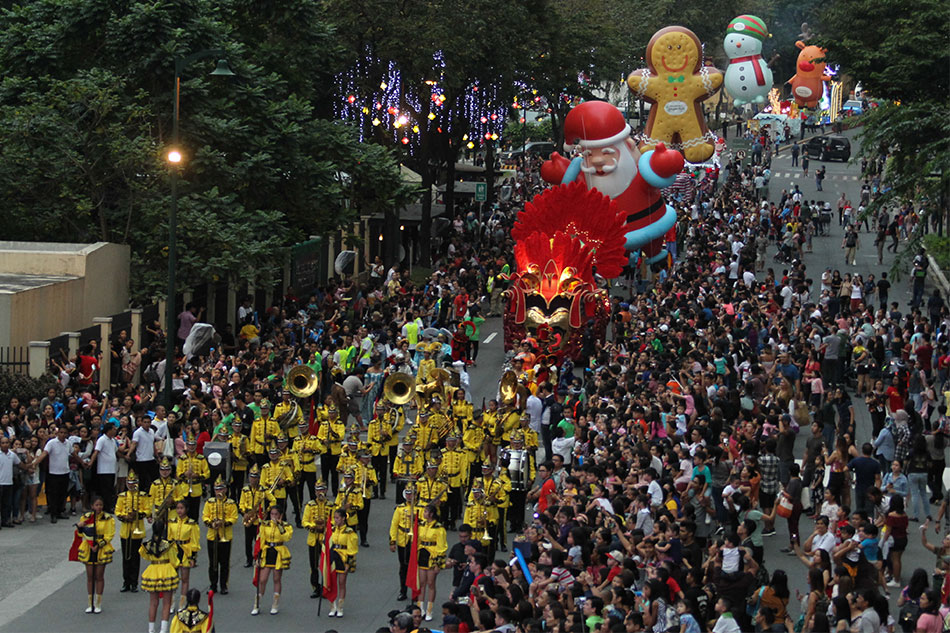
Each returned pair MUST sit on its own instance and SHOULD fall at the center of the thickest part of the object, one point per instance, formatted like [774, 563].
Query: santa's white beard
[617, 177]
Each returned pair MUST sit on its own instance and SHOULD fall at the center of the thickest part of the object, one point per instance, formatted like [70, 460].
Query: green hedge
[23, 387]
[938, 248]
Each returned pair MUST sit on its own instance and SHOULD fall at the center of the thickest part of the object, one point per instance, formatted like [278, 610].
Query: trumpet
[164, 506]
[278, 481]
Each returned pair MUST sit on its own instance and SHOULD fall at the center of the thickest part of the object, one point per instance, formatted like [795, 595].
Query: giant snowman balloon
[748, 78]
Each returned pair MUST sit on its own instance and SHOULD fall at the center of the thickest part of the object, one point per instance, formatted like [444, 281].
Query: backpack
[851, 240]
[907, 617]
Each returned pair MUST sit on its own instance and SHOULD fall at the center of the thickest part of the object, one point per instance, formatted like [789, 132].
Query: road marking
[490, 337]
[32, 593]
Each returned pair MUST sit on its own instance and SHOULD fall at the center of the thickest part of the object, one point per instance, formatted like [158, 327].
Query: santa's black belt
[639, 215]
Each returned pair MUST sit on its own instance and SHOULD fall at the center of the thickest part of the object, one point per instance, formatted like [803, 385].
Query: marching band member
[190, 618]
[509, 417]
[330, 435]
[491, 418]
[400, 535]
[193, 470]
[284, 406]
[481, 513]
[160, 578]
[383, 433]
[220, 513]
[343, 558]
[408, 465]
[520, 467]
[254, 499]
[263, 431]
[440, 421]
[288, 458]
[426, 364]
[306, 447]
[432, 549]
[240, 453]
[276, 476]
[430, 490]
[462, 410]
[366, 477]
[493, 495]
[427, 435]
[166, 491]
[315, 515]
[131, 507]
[454, 469]
[185, 533]
[95, 550]
[473, 442]
[274, 556]
[348, 456]
[504, 502]
[350, 499]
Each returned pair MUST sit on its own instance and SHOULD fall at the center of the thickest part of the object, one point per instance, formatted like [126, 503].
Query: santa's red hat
[594, 124]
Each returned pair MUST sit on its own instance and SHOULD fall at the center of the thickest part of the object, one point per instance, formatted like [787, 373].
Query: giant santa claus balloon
[597, 133]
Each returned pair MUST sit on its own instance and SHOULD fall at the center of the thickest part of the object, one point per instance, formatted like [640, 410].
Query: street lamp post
[174, 159]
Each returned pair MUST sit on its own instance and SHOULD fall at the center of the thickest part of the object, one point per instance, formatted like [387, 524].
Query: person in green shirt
[744, 506]
[593, 611]
[474, 315]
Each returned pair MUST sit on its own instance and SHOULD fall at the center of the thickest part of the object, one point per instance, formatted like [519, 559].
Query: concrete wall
[106, 274]
[102, 288]
[42, 313]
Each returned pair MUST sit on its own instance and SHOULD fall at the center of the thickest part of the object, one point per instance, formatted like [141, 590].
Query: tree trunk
[449, 197]
[490, 172]
[391, 237]
[425, 223]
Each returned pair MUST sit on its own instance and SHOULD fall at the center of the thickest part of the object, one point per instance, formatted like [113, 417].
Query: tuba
[302, 381]
[508, 389]
[398, 388]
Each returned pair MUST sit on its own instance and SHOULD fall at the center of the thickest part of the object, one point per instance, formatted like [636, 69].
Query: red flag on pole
[257, 558]
[208, 624]
[312, 428]
[74, 548]
[327, 575]
[412, 574]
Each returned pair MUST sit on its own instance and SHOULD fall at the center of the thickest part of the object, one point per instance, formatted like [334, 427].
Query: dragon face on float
[565, 239]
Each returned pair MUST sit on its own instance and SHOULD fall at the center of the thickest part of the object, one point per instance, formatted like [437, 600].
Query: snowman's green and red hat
[748, 25]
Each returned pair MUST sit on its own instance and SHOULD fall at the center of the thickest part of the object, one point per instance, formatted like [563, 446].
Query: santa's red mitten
[553, 169]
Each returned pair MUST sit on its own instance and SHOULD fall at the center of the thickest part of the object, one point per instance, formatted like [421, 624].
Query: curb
[938, 277]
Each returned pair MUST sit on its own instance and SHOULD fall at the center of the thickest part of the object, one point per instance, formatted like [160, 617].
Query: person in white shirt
[534, 408]
[8, 462]
[821, 538]
[105, 462]
[653, 488]
[143, 443]
[57, 449]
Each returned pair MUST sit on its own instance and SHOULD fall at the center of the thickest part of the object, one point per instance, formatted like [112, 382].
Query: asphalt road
[41, 591]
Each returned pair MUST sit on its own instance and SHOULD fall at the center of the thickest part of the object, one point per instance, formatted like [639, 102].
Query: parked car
[827, 148]
[852, 107]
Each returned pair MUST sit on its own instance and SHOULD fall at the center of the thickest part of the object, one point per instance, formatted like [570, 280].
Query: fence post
[162, 305]
[232, 306]
[73, 346]
[136, 335]
[105, 344]
[38, 354]
[210, 312]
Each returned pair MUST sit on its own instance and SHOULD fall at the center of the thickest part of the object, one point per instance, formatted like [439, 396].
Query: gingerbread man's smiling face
[674, 52]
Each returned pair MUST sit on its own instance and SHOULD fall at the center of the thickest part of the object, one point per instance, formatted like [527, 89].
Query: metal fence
[14, 360]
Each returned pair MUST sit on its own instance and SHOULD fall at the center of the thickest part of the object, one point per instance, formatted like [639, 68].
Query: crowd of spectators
[724, 396]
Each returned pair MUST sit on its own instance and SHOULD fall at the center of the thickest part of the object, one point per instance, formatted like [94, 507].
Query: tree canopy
[86, 109]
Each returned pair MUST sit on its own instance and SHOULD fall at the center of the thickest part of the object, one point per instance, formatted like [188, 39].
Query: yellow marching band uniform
[447, 459]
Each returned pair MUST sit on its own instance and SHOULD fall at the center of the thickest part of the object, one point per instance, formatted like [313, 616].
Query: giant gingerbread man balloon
[675, 82]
